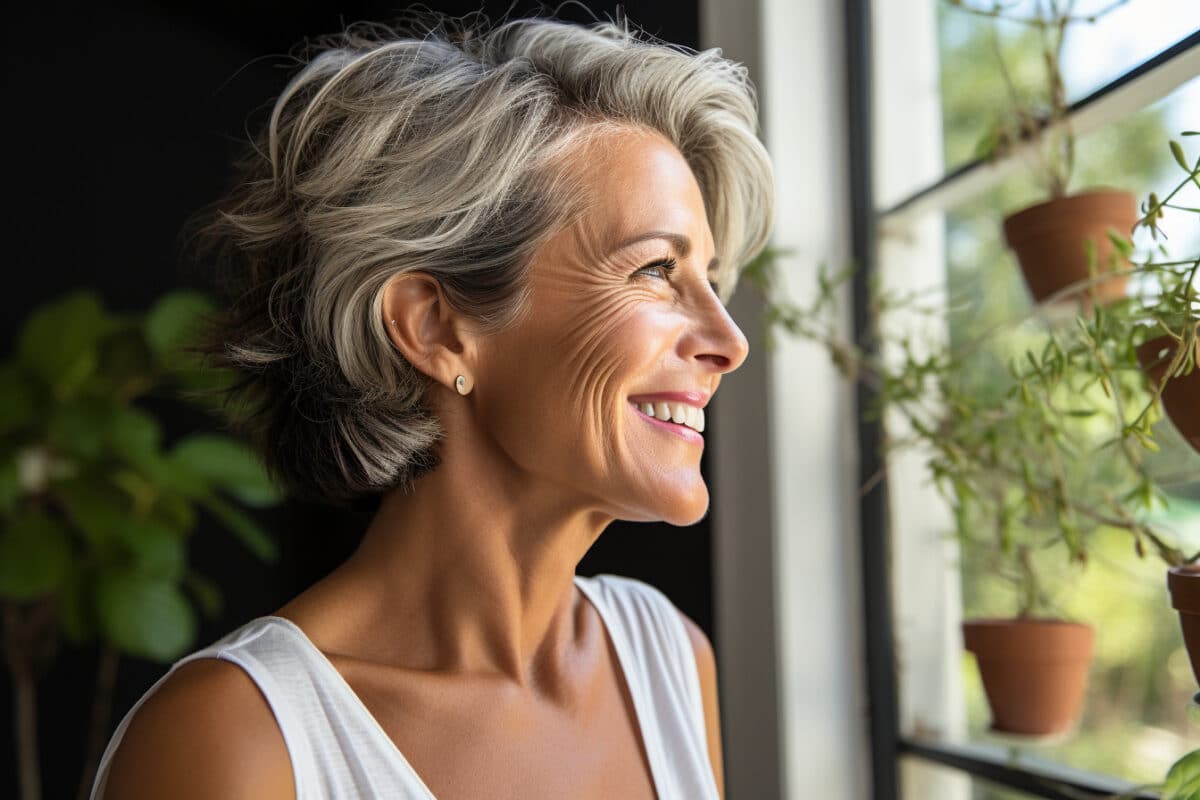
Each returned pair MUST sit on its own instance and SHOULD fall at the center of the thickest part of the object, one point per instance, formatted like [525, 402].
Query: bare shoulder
[207, 731]
[705, 658]
[706, 666]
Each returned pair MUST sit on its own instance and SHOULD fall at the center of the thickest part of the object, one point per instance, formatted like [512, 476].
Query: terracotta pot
[1184, 585]
[1048, 240]
[1034, 671]
[1181, 395]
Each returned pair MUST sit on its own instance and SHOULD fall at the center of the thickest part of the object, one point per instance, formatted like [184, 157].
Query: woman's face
[622, 313]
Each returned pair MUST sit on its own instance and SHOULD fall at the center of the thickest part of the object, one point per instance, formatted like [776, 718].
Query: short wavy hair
[441, 146]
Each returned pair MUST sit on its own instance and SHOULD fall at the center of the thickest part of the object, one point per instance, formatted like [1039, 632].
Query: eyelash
[667, 265]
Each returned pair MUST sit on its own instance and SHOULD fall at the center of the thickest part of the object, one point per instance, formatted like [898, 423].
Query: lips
[682, 431]
[677, 413]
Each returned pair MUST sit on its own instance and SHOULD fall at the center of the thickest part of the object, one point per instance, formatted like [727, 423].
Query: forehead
[637, 181]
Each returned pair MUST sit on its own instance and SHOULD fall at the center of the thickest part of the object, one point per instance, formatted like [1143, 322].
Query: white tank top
[339, 750]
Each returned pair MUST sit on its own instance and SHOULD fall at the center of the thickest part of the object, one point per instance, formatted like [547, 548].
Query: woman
[480, 274]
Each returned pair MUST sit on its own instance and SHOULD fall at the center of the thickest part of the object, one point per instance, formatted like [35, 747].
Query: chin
[687, 513]
[681, 507]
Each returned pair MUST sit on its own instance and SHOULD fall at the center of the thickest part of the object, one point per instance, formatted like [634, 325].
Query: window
[932, 218]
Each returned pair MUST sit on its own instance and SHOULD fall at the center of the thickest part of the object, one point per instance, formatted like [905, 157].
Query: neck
[476, 567]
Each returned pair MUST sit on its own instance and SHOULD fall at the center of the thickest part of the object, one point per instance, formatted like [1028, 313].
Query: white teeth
[680, 413]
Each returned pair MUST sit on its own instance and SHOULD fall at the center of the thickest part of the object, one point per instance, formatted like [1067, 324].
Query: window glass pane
[974, 89]
[1138, 715]
[1130, 155]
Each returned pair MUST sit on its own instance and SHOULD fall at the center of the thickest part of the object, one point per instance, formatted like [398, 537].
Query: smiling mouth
[678, 413]
[678, 429]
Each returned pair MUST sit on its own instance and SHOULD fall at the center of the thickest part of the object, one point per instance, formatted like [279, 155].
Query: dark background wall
[121, 120]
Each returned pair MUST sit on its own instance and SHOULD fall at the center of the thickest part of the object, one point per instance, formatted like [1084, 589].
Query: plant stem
[1148, 216]
[1002, 13]
[106, 675]
[24, 703]
[1029, 590]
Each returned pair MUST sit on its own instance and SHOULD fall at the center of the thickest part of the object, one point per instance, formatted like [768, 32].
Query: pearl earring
[460, 383]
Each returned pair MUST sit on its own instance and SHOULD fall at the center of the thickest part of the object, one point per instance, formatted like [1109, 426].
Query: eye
[665, 265]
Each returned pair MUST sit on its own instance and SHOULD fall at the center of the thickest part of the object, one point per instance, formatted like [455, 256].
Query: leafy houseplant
[1059, 240]
[1169, 353]
[981, 447]
[1182, 781]
[96, 512]
[1036, 432]
[1171, 348]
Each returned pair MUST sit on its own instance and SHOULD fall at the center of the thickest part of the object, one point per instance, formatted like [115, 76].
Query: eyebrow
[681, 243]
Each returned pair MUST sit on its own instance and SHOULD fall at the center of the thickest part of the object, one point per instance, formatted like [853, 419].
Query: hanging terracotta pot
[1049, 242]
[1034, 671]
[1181, 395]
[1184, 585]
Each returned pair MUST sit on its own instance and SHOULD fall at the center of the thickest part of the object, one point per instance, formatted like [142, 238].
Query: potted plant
[1035, 452]
[1169, 354]
[985, 449]
[1062, 240]
[1171, 347]
[95, 510]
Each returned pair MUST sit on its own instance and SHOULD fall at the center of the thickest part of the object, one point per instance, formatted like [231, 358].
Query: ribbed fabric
[338, 750]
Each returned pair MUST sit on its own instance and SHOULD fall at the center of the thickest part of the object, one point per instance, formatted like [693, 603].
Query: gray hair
[442, 150]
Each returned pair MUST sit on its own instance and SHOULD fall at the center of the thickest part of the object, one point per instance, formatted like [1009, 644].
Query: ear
[431, 335]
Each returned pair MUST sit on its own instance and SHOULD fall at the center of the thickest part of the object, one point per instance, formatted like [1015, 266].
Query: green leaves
[1120, 243]
[157, 550]
[144, 615]
[989, 142]
[35, 556]
[1183, 778]
[1180, 159]
[227, 464]
[97, 510]
[60, 341]
[18, 397]
[92, 509]
[172, 322]
[1037, 428]
[125, 364]
[135, 436]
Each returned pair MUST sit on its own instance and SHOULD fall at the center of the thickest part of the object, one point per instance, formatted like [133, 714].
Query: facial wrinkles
[606, 331]
[599, 299]
[593, 361]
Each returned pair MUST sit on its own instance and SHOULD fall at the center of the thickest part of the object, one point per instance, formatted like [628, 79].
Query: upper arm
[206, 732]
[706, 665]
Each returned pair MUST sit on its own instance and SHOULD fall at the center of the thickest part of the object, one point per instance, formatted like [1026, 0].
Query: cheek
[609, 350]
[569, 371]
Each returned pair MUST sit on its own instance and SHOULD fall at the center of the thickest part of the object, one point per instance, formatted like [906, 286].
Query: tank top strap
[660, 668]
[337, 750]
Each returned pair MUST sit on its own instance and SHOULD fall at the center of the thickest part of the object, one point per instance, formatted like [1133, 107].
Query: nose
[718, 340]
